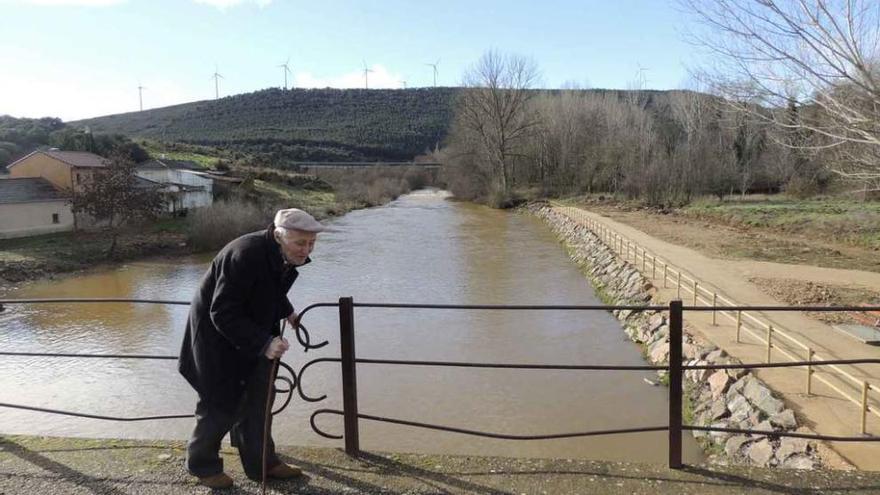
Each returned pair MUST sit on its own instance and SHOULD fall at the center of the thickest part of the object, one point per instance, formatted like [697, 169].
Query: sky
[75, 59]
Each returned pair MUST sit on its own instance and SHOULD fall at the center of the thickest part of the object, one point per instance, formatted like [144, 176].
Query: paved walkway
[31, 465]
[825, 411]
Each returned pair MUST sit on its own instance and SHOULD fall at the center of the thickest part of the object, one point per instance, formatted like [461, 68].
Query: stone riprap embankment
[731, 398]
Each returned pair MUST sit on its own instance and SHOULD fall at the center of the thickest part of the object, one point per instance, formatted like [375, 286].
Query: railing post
[865, 387]
[349, 376]
[675, 388]
[665, 267]
[678, 290]
[696, 291]
[739, 324]
[769, 341]
[644, 261]
[653, 267]
[809, 371]
[714, 305]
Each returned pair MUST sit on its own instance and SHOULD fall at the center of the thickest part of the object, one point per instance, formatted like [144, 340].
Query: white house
[32, 206]
[184, 183]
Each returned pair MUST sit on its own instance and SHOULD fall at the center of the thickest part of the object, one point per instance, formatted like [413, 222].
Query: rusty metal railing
[349, 361]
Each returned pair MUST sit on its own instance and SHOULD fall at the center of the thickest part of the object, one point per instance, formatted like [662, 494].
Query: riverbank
[826, 404]
[732, 398]
[67, 465]
[39, 257]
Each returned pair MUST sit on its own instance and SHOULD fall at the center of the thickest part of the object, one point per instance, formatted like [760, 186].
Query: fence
[349, 361]
[765, 332]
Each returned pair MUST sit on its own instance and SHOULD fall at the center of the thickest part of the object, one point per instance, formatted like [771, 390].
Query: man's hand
[292, 319]
[277, 348]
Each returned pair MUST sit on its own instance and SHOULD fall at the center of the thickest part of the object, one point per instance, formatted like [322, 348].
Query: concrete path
[33, 465]
[825, 411]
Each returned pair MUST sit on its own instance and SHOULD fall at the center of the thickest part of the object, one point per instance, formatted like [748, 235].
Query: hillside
[317, 124]
[300, 124]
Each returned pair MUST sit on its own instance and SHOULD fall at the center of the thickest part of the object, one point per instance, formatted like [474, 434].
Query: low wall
[724, 398]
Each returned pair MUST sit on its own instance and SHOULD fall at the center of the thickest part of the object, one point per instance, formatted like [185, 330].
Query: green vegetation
[19, 137]
[835, 220]
[275, 125]
[206, 157]
[319, 203]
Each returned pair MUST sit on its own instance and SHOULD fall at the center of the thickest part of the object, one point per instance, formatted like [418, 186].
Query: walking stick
[273, 369]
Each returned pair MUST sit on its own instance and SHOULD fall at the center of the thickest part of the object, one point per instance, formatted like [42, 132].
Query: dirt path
[825, 410]
[31, 465]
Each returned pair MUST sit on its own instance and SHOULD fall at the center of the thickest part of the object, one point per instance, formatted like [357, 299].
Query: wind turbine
[286, 71]
[640, 76]
[141, 96]
[434, 66]
[366, 76]
[217, 78]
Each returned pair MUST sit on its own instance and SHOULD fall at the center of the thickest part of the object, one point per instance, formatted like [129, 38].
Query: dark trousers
[245, 425]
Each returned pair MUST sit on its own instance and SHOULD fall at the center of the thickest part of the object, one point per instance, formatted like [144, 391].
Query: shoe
[221, 480]
[284, 471]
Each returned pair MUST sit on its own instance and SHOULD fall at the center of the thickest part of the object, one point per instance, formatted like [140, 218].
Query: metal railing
[349, 362]
[765, 332]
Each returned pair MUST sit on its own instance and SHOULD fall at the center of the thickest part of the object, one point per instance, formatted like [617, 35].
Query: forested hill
[278, 125]
[301, 124]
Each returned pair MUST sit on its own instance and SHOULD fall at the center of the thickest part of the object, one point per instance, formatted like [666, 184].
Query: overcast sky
[83, 58]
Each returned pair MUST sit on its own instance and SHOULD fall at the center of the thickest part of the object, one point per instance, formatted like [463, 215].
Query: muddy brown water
[421, 248]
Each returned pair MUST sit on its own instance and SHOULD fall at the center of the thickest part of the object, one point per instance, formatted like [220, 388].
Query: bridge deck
[63, 465]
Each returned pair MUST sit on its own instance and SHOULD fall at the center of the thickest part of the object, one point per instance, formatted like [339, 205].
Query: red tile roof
[78, 158]
[82, 159]
[28, 190]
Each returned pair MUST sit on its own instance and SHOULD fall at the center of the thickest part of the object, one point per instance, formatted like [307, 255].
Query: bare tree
[820, 54]
[494, 109]
[115, 194]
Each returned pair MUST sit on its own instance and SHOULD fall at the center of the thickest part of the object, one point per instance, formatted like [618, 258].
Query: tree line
[18, 137]
[791, 103]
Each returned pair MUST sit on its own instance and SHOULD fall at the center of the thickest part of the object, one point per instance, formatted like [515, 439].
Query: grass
[321, 204]
[155, 150]
[172, 225]
[39, 256]
[855, 223]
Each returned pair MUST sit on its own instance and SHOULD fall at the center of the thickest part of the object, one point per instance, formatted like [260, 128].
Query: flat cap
[296, 219]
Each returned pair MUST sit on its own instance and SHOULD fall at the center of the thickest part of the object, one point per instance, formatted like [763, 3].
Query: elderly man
[232, 336]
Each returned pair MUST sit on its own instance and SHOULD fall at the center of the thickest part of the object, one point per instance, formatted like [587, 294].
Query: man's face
[297, 245]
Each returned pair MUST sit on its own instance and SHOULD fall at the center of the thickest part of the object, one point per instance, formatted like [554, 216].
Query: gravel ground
[36, 465]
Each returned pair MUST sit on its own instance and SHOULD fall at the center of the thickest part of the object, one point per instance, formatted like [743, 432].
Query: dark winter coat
[235, 313]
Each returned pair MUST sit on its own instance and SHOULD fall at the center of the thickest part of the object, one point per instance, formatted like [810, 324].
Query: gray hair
[283, 232]
[287, 233]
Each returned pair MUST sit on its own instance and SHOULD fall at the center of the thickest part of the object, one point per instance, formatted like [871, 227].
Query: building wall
[27, 219]
[41, 165]
[177, 200]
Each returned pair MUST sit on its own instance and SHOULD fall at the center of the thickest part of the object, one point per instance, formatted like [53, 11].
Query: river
[421, 248]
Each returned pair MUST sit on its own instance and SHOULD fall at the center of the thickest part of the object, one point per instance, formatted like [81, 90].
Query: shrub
[213, 226]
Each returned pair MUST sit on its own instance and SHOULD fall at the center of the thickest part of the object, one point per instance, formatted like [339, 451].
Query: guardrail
[764, 332]
[349, 361]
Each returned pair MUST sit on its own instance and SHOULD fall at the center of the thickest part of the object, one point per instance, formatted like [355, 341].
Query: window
[55, 218]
